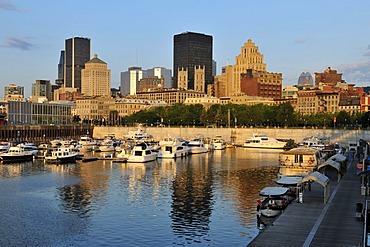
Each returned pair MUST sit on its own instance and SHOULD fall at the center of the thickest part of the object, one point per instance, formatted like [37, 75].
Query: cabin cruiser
[313, 142]
[299, 161]
[172, 147]
[4, 146]
[16, 154]
[263, 141]
[29, 146]
[107, 145]
[61, 155]
[219, 143]
[141, 153]
[196, 146]
[274, 201]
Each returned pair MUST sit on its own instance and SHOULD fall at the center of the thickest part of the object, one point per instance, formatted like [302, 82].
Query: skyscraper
[77, 53]
[130, 80]
[192, 50]
[60, 80]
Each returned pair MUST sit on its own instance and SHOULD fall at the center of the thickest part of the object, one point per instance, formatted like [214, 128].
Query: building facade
[150, 83]
[161, 72]
[96, 78]
[261, 83]
[77, 53]
[42, 89]
[130, 80]
[329, 77]
[39, 113]
[14, 93]
[170, 95]
[190, 50]
[60, 80]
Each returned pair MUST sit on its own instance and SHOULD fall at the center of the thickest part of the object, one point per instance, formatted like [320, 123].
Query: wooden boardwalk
[313, 223]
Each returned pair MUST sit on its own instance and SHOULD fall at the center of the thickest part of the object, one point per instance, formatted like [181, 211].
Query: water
[201, 200]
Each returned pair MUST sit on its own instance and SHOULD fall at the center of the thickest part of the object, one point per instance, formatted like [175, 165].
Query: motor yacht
[263, 141]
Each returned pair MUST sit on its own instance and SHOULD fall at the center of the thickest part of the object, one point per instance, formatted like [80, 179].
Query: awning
[273, 191]
[338, 157]
[321, 179]
[288, 181]
[331, 163]
[317, 177]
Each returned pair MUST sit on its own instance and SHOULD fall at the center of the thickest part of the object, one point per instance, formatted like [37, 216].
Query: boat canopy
[331, 163]
[288, 181]
[321, 179]
[338, 157]
[273, 191]
[300, 151]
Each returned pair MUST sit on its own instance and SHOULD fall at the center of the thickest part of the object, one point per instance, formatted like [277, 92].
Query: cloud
[367, 54]
[356, 73]
[7, 5]
[16, 43]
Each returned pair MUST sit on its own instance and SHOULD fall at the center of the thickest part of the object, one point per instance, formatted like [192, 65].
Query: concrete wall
[338, 135]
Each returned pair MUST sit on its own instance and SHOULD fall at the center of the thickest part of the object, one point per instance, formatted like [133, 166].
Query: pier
[313, 223]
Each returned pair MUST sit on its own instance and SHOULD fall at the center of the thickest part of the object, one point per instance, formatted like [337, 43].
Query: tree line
[239, 115]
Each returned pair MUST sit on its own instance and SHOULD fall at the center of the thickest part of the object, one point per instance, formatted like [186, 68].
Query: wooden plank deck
[313, 223]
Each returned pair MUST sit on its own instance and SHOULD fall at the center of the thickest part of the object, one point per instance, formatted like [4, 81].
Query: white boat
[196, 146]
[141, 153]
[274, 201]
[263, 141]
[56, 142]
[172, 147]
[29, 146]
[87, 141]
[219, 143]
[208, 143]
[61, 155]
[4, 146]
[16, 154]
[290, 183]
[107, 146]
[313, 142]
[299, 162]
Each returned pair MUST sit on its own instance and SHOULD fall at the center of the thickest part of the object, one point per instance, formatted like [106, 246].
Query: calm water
[201, 200]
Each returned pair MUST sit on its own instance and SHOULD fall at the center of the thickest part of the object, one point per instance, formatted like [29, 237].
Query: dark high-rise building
[60, 80]
[190, 50]
[77, 53]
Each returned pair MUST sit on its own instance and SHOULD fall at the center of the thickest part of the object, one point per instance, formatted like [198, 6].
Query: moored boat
[172, 147]
[299, 161]
[219, 143]
[274, 201]
[141, 153]
[16, 154]
[196, 146]
[263, 141]
[61, 155]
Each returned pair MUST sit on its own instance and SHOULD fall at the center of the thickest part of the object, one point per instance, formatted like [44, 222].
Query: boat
[299, 162]
[274, 201]
[29, 146]
[16, 154]
[4, 146]
[208, 143]
[87, 141]
[141, 153]
[172, 147]
[313, 142]
[292, 184]
[107, 145]
[263, 141]
[219, 143]
[61, 155]
[196, 146]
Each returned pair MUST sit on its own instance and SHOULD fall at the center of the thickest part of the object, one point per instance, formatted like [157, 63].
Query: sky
[294, 36]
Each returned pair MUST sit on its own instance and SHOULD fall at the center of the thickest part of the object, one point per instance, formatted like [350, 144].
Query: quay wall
[341, 136]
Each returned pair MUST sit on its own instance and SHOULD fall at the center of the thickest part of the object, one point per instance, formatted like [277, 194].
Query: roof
[331, 163]
[273, 191]
[317, 177]
[338, 157]
[300, 150]
[96, 60]
[286, 180]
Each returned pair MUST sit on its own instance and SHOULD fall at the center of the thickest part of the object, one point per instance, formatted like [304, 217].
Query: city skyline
[294, 37]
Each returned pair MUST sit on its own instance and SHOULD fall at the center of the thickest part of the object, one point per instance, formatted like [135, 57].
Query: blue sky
[294, 36]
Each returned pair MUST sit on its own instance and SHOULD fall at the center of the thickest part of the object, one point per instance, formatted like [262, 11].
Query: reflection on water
[203, 199]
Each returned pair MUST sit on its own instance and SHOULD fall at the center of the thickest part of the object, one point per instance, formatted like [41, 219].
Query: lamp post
[235, 121]
[193, 123]
[169, 122]
[268, 124]
[286, 124]
[324, 123]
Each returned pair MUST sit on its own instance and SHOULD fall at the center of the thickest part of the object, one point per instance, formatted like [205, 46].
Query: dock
[313, 223]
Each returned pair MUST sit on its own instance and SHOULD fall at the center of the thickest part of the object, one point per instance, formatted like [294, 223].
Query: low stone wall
[239, 135]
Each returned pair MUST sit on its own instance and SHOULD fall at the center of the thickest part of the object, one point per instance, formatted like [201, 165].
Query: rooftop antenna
[228, 60]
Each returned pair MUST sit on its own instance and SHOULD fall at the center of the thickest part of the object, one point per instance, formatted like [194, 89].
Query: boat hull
[265, 146]
[16, 158]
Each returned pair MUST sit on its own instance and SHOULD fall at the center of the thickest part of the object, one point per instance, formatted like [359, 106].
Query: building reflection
[192, 198]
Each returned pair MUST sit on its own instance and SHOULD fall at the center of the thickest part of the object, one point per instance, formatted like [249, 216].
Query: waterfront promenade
[313, 223]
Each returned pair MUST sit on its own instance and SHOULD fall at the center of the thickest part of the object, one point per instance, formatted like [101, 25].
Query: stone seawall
[239, 135]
